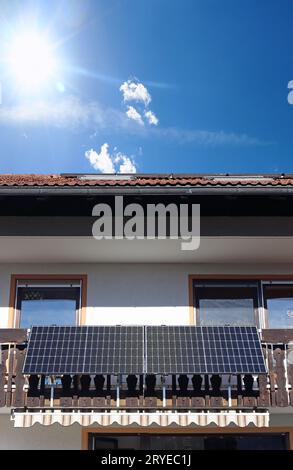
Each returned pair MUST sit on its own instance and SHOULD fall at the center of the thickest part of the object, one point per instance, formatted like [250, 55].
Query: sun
[31, 60]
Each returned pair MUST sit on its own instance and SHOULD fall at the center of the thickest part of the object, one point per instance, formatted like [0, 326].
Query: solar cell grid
[137, 350]
[203, 350]
[85, 350]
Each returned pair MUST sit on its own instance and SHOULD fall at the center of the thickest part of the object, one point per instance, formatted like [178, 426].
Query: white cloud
[105, 162]
[59, 113]
[127, 165]
[290, 95]
[151, 118]
[101, 161]
[135, 91]
[131, 113]
[76, 115]
[208, 138]
[70, 112]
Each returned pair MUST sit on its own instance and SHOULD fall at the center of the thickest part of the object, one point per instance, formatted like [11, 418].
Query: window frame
[14, 315]
[264, 300]
[262, 320]
[217, 284]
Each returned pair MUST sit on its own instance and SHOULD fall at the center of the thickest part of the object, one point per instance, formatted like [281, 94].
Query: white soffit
[89, 250]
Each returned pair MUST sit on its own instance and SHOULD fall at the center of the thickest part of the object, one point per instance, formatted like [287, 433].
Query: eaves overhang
[146, 190]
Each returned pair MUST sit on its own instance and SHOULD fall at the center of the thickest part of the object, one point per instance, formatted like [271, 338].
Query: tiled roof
[21, 180]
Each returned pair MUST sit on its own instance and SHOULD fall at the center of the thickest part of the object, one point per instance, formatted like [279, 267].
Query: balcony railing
[147, 392]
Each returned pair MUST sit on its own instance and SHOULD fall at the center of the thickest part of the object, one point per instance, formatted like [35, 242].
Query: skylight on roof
[241, 178]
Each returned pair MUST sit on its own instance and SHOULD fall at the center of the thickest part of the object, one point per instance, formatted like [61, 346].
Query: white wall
[132, 293]
[38, 437]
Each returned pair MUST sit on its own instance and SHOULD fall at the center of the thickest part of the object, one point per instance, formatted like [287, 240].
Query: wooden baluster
[19, 396]
[281, 393]
[264, 394]
[76, 389]
[85, 398]
[141, 390]
[272, 379]
[239, 391]
[33, 400]
[3, 372]
[290, 380]
[150, 393]
[99, 398]
[42, 390]
[66, 393]
[182, 396]
[11, 354]
[108, 390]
[249, 398]
[174, 391]
[197, 400]
[207, 391]
[132, 395]
[216, 399]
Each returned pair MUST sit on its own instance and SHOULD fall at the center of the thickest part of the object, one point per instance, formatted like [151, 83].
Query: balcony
[149, 393]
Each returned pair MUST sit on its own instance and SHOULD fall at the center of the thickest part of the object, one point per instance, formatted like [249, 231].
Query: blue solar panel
[54, 350]
[203, 350]
[166, 350]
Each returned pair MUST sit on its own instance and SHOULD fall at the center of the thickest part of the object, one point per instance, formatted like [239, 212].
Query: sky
[146, 86]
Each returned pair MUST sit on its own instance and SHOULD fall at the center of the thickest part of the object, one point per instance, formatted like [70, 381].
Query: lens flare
[31, 60]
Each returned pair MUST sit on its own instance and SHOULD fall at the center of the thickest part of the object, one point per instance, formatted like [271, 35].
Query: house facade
[53, 271]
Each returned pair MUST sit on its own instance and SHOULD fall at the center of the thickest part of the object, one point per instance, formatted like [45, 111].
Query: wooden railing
[148, 393]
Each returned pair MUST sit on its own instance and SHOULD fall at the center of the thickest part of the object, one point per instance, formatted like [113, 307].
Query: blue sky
[217, 74]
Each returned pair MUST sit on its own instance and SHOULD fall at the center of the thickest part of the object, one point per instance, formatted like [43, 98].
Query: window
[195, 441]
[264, 303]
[278, 302]
[230, 303]
[48, 302]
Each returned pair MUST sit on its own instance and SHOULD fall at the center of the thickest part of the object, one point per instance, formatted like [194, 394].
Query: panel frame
[143, 365]
[206, 370]
[78, 368]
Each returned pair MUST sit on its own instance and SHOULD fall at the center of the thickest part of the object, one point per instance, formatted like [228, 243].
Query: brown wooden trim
[191, 300]
[277, 335]
[83, 299]
[232, 277]
[235, 277]
[46, 277]
[12, 335]
[290, 439]
[12, 295]
[203, 430]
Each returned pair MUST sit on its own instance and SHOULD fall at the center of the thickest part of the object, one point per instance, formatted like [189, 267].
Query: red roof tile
[144, 180]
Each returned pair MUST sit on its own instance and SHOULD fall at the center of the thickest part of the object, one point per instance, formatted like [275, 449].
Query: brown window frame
[14, 318]
[193, 278]
[226, 285]
[283, 284]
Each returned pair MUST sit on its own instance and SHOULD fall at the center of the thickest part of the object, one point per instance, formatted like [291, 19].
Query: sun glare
[31, 60]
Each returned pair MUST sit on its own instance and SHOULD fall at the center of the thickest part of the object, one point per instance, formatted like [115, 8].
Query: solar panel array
[85, 350]
[144, 349]
[203, 350]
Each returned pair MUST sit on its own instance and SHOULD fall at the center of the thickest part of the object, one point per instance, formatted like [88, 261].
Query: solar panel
[166, 350]
[54, 350]
[203, 350]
